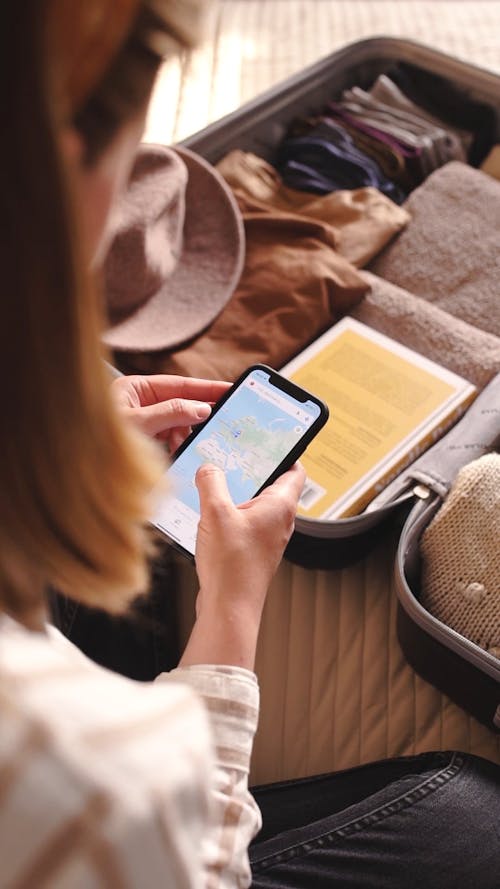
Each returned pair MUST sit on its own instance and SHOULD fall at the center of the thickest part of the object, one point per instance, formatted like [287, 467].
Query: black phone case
[291, 457]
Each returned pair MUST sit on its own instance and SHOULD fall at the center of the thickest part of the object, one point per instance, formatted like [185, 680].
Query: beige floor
[252, 44]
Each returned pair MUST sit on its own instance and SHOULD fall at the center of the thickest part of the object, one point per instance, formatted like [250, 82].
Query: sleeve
[114, 782]
[223, 817]
[231, 698]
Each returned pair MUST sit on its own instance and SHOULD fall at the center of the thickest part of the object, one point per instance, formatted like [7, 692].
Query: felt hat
[176, 252]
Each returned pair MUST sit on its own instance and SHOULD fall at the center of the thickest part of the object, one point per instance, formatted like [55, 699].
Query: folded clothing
[385, 90]
[294, 285]
[436, 145]
[362, 220]
[299, 277]
[452, 104]
[395, 158]
[463, 349]
[327, 159]
[448, 253]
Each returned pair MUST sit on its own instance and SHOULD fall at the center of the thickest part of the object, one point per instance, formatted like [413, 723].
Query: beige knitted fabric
[461, 556]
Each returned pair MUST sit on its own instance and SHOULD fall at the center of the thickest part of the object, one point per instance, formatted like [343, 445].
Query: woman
[104, 781]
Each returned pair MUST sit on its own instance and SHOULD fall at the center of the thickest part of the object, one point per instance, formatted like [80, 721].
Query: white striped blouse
[107, 782]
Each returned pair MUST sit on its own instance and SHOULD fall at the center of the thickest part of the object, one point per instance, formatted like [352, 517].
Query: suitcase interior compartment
[259, 127]
[354, 537]
[261, 124]
[461, 669]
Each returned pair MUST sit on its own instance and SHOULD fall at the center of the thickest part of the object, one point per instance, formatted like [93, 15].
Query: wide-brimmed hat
[176, 253]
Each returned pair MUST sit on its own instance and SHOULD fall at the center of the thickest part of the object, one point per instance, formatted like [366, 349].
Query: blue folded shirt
[327, 160]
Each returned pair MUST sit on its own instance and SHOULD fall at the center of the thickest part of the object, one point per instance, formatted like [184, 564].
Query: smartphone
[255, 432]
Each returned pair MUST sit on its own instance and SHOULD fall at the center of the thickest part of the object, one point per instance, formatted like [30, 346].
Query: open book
[387, 405]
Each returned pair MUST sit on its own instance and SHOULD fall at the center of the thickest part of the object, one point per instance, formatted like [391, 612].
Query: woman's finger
[164, 387]
[156, 418]
[212, 489]
[176, 437]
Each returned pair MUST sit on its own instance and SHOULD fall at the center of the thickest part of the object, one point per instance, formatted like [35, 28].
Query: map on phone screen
[248, 438]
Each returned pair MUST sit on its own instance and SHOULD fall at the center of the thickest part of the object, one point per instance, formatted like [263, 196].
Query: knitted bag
[460, 551]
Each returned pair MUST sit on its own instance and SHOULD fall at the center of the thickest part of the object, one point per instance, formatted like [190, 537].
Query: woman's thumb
[212, 487]
[176, 412]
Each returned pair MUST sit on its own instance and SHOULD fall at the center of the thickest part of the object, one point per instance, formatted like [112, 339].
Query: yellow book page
[377, 399]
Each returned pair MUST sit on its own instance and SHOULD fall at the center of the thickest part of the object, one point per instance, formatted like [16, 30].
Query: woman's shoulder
[91, 756]
[89, 715]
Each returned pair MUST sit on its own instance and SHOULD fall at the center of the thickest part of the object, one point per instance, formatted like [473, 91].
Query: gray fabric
[448, 254]
[466, 350]
[386, 91]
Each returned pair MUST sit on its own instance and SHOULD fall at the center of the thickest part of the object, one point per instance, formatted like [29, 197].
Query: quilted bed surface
[336, 690]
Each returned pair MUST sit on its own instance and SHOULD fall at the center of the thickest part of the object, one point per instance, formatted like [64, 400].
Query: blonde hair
[75, 481]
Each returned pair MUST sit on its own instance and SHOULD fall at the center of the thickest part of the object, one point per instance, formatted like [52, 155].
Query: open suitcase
[467, 673]
[336, 690]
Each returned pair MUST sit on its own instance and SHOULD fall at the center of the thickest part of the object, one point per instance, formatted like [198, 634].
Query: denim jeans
[422, 822]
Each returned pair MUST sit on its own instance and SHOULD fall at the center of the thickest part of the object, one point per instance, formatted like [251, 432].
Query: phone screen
[249, 436]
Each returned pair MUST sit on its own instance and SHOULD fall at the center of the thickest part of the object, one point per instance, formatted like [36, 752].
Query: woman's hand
[166, 406]
[237, 553]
